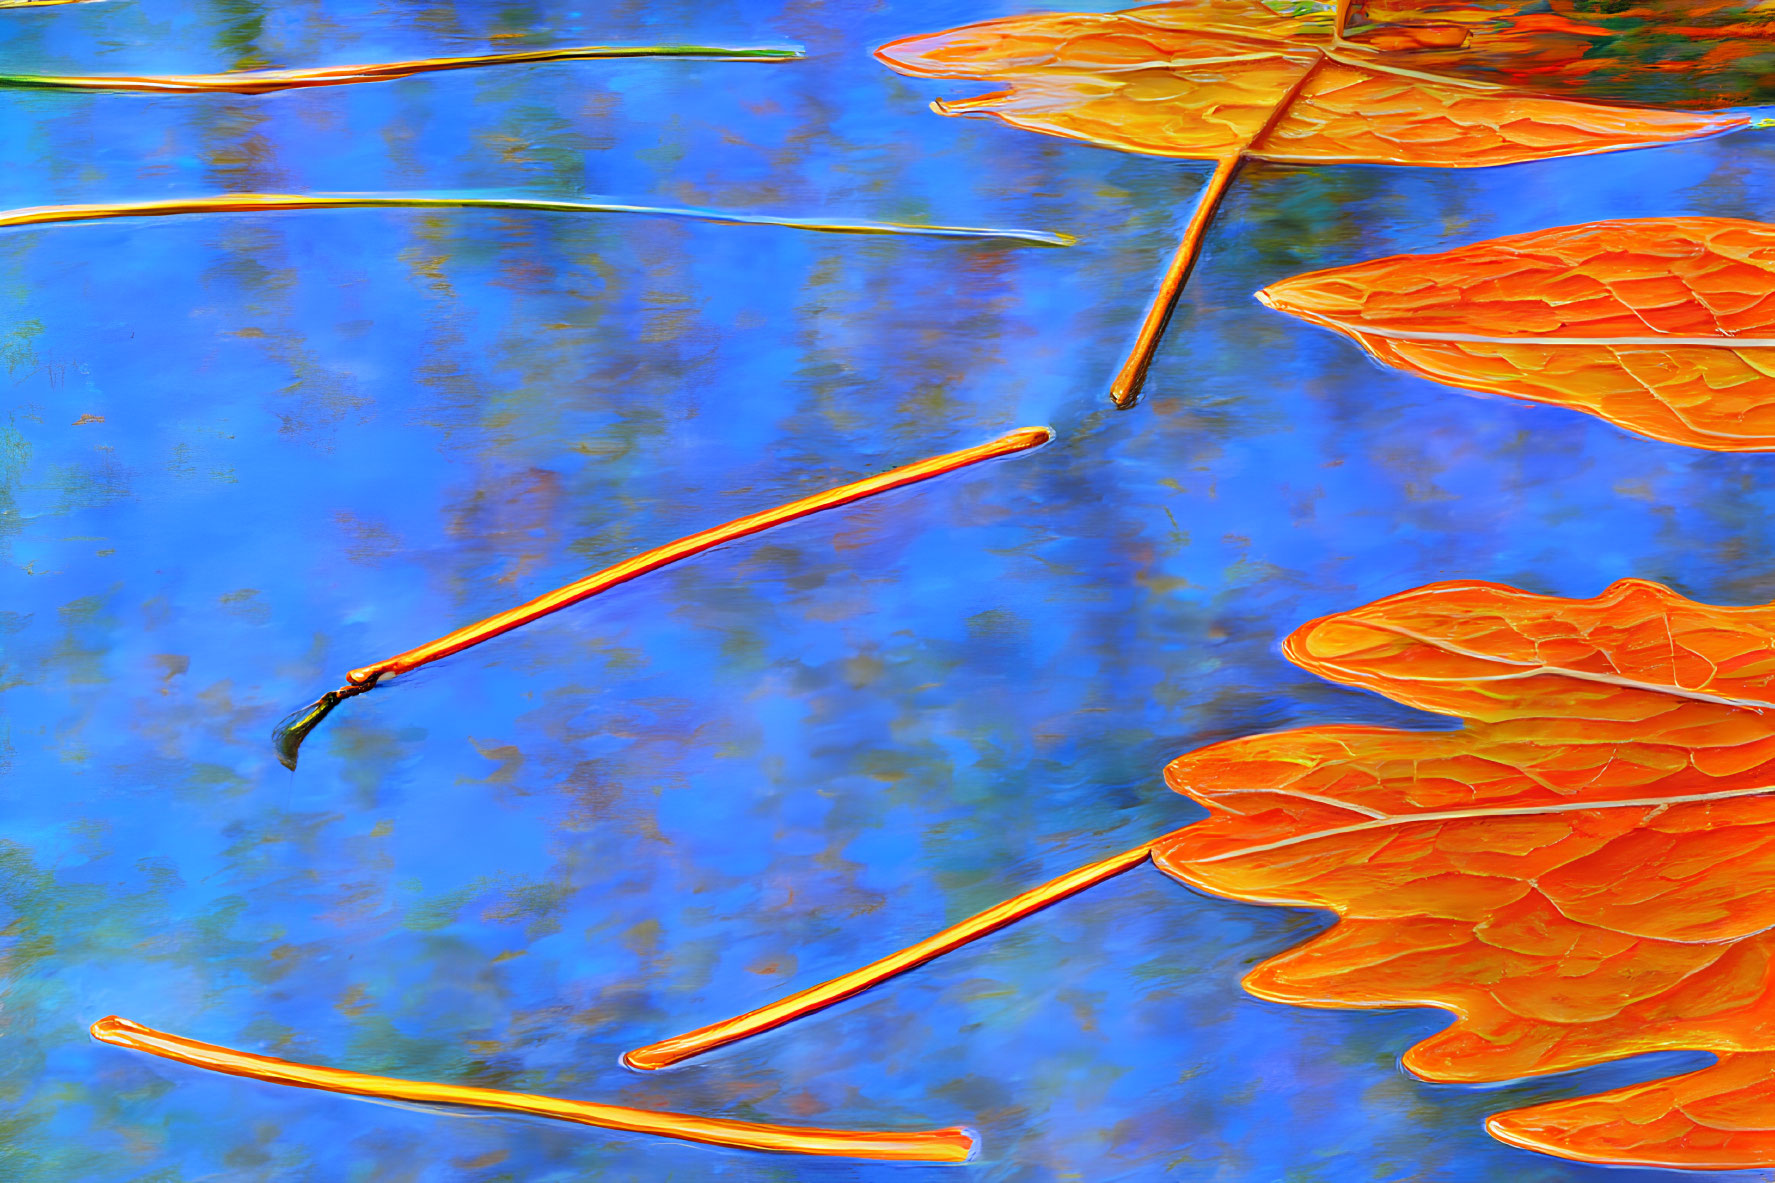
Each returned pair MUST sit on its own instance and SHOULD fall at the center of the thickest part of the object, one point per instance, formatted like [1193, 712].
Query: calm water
[329, 436]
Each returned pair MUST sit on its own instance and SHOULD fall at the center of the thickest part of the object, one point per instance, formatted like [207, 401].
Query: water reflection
[775, 763]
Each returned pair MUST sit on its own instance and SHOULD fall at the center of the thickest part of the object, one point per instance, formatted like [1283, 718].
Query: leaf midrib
[1714, 342]
[1532, 669]
[1467, 814]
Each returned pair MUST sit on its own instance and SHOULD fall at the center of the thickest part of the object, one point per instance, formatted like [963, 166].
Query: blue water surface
[241, 454]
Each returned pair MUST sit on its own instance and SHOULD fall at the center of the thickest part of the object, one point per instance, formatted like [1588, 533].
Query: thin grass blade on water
[242, 203]
[946, 1145]
[268, 81]
[293, 730]
[1226, 80]
[1664, 326]
[1582, 873]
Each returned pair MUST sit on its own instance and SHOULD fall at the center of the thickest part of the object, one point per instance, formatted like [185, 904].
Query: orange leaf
[1202, 80]
[1698, 52]
[1664, 326]
[1225, 80]
[1584, 872]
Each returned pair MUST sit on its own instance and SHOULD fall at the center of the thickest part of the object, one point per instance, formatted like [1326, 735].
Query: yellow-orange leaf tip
[1663, 326]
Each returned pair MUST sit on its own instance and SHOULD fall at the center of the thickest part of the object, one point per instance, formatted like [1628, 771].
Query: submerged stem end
[290, 733]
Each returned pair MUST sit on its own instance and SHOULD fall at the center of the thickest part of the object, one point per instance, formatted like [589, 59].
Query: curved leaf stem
[815, 998]
[946, 1145]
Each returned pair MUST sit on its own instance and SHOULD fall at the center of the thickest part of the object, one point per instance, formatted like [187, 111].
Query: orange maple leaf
[1585, 871]
[1227, 80]
[1664, 326]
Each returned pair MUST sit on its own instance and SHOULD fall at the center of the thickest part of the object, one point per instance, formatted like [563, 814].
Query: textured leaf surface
[1586, 871]
[1664, 326]
[1207, 79]
[1694, 52]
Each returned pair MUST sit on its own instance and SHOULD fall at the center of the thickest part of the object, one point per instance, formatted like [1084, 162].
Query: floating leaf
[1584, 872]
[1664, 326]
[1198, 81]
[269, 81]
[1701, 52]
[1227, 80]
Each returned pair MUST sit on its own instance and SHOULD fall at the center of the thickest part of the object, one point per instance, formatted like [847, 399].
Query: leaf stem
[815, 998]
[660, 556]
[269, 81]
[946, 1145]
[290, 733]
[1125, 390]
[268, 202]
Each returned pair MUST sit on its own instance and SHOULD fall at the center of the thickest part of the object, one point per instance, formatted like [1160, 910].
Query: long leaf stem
[815, 998]
[291, 732]
[268, 81]
[227, 203]
[946, 1145]
[1125, 390]
[660, 556]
